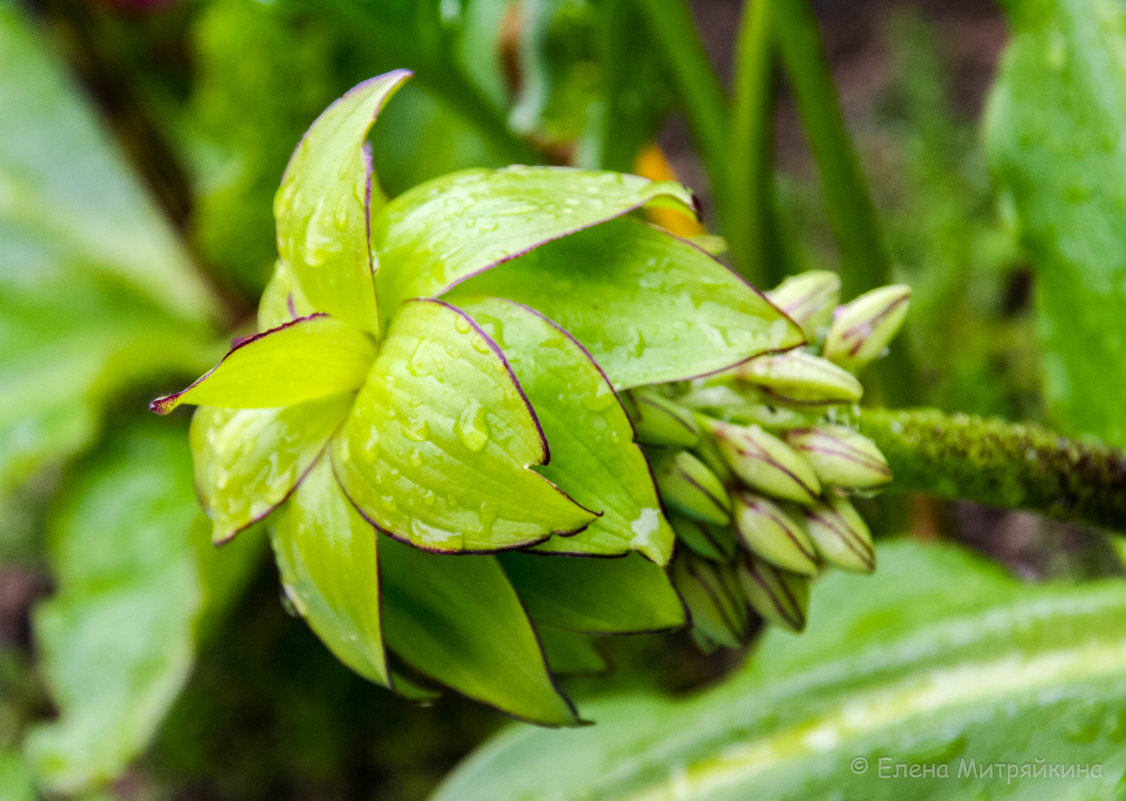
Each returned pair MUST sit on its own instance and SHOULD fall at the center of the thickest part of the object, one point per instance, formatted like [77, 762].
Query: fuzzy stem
[996, 463]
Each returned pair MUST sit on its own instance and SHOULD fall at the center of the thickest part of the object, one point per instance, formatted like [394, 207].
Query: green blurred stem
[864, 253]
[865, 260]
[674, 31]
[996, 463]
[755, 242]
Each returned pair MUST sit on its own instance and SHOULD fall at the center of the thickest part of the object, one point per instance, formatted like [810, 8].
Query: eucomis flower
[431, 412]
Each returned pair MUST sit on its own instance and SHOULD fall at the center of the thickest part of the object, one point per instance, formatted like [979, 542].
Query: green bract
[439, 373]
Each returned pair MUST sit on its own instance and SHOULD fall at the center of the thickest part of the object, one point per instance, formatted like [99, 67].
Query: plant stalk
[755, 242]
[997, 463]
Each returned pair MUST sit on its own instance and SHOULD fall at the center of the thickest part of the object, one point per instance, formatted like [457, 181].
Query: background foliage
[141, 144]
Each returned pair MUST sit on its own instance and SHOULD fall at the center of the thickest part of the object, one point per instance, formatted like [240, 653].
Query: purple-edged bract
[437, 381]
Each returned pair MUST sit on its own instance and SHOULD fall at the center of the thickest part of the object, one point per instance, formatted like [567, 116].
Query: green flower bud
[841, 456]
[778, 596]
[773, 535]
[808, 299]
[840, 535]
[661, 421]
[714, 599]
[704, 539]
[801, 379]
[766, 463]
[689, 487]
[862, 330]
[740, 406]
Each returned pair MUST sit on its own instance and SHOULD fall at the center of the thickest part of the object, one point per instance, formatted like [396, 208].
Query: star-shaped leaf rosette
[433, 413]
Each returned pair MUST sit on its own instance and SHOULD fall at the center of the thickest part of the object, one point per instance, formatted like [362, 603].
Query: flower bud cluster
[756, 465]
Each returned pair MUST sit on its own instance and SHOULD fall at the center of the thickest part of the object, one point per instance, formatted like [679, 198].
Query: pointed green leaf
[325, 201]
[327, 557]
[650, 307]
[964, 691]
[593, 456]
[247, 461]
[456, 619]
[117, 638]
[572, 654]
[437, 447]
[310, 357]
[451, 228]
[596, 596]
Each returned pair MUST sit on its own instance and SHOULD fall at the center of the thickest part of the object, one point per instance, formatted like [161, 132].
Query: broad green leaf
[16, 780]
[67, 194]
[117, 638]
[96, 294]
[326, 198]
[247, 461]
[447, 230]
[308, 358]
[327, 557]
[595, 596]
[69, 344]
[649, 307]
[593, 456]
[437, 447]
[572, 654]
[893, 667]
[456, 619]
[1054, 135]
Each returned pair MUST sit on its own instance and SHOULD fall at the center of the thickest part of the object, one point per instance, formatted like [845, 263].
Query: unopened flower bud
[714, 599]
[801, 379]
[766, 463]
[861, 331]
[841, 456]
[689, 487]
[840, 535]
[773, 535]
[712, 542]
[778, 596]
[808, 298]
[661, 421]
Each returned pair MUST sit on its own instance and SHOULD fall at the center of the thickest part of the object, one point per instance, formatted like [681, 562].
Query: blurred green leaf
[593, 456]
[650, 307]
[1054, 131]
[903, 670]
[595, 596]
[437, 447]
[249, 105]
[450, 229]
[327, 556]
[117, 639]
[456, 619]
[16, 780]
[96, 293]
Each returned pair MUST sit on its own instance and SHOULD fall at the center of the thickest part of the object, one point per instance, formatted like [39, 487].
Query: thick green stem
[754, 241]
[1011, 465]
